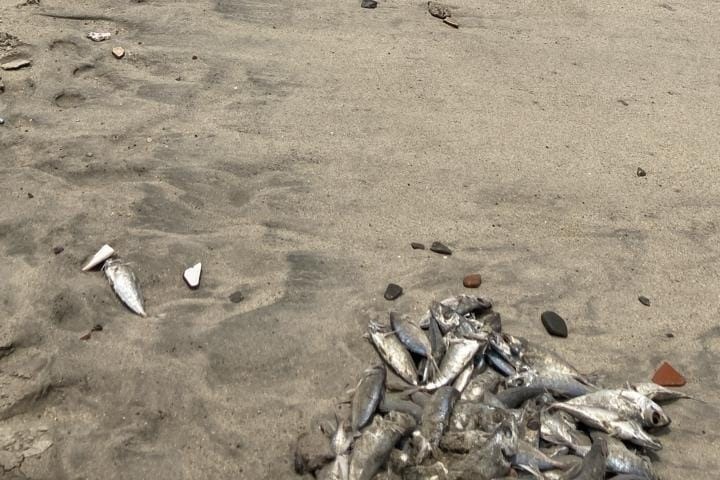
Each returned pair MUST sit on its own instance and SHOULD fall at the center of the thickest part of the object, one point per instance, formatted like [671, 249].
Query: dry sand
[296, 157]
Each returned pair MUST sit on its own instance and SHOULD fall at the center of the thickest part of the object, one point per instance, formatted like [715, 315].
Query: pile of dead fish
[457, 398]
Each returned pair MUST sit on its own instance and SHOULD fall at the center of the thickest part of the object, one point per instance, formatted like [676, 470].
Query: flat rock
[640, 172]
[440, 248]
[368, 4]
[472, 280]
[554, 324]
[58, 250]
[667, 376]
[118, 52]
[644, 300]
[237, 297]
[312, 451]
[16, 64]
[417, 246]
[393, 291]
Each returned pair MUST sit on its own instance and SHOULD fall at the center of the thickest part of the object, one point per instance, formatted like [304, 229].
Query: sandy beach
[296, 149]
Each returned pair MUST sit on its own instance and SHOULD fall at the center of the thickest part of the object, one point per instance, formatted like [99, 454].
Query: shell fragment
[99, 36]
[105, 252]
[192, 275]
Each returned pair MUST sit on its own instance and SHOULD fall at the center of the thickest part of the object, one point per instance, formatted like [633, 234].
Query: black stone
[237, 297]
[368, 4]
[644, 300]
[641, 172]
[440, 248]
[58, 250]
[97, 328]
[670, 335]
[554, 324]
[393, 291]
[417, 246]
[30, 195]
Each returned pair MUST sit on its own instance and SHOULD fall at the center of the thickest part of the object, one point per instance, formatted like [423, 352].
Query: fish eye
[655, 418]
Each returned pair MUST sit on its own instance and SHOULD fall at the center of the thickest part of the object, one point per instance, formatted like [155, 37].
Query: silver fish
[368, 394]
[462, 304]
[628, 404]
[374, 446]
[558, 429]
[447, 318]
[123, 281]
[393, 352]
[622, 460]
[411, 335]
[463, 379]
[528, 455]
[657, 393]
[610, 422]
[593, 465]
[400, 403]
[486, 381]
[555, 381]
[338, 469]
[435, 417]
[463, 441]
[499, 363]
[459, 354]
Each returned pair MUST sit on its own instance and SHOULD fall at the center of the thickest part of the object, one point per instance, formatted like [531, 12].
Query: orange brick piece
[667, 376]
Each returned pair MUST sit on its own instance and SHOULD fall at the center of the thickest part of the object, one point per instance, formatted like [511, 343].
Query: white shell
[105, 252]
[98, 36]
[192, 275]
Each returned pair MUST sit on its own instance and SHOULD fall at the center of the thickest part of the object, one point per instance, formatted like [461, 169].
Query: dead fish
[367, 396]
[490, 321]
[463, 379]
[541, 359]
[528, 455]
[516, 396]
[376, 442]
[393, 352]
[658, 393]
[556, 451]
[126, 287]
[628, 404]
[610, 422]
[471, 415]
[555, 381]
[486, 381]
[400, 403]
[593, 465]
[338, 469]
[621, 460]
[484, 463]
[556, 428]
[460, 353]
[411, 335]
[435, 418]
[435, 471]
[463, 441]
[499, 363]
[341, 439]
[447, 318]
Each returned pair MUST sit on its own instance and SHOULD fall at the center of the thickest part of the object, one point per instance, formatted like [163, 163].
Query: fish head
[522, 378]
[654, 416]
[506, 436]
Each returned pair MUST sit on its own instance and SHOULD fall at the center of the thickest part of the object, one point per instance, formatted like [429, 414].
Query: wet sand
[297, 156]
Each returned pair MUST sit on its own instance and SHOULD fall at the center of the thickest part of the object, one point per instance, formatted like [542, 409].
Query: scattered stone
[554, 324]
[99, 36]
[7, 40]
[194, 57]
[368, 4]
[472, 280]
[640, 172]
[393, 291]
[2, 86]
[58, 250]
[644, 300]
[440, 248]
[96, 328]
[439, 10]
[237, 297]
[118, 52]
[451, 22]
[86, 336]
[667, 376]
[192, 275]
[670, 335]
[16, 64]
[417, 246]
[30, 195]
[312, 452]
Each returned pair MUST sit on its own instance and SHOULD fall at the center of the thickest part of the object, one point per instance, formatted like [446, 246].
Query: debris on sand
[16, 64]
[8, 41]
[451, 22]
[480, 403]
[368, 4]
[105, 252]
[192, 275]
[237, 297]
[125, 285]
[58, 249]
[393, 291]
[417, 246]
[554, 324]
[118, 52]
[667, 376]
[99, 36]
[440, 248]
[472, 280]
[644, 300]
[640, 172]
[438, 10]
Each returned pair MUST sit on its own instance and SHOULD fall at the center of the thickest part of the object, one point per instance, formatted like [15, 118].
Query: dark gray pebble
[641, 172]
[368, 4]
[440, 248]
[417, 246]
[554, 324]
[58, 250]
[670, 335]
[393, 291]
[644, 300]
[237, 297]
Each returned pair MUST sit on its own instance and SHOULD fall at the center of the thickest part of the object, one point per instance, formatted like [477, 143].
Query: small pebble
[58, 250]
[667, 376]
[2, 121]
[237, 297]
[644, 300]
[194, 57]
[440, 248]
[118, 52]
[450, 22]
[368, 4]
[30, 195]
[670, 335]
[417, 246]
[554, 324]
[97, 328]
[641, 172]
[393, 291]
[472, 280]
